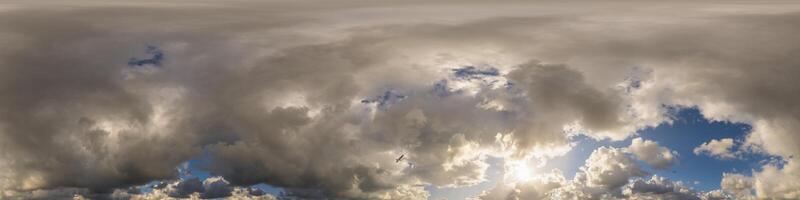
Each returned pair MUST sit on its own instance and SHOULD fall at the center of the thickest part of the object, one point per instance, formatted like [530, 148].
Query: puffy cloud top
[650, 152]
[722, 148]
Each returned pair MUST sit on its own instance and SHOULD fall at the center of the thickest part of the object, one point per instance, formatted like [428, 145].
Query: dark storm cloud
[55, 92]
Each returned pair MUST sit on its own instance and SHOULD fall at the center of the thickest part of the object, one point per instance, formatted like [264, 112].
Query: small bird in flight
[400, 158]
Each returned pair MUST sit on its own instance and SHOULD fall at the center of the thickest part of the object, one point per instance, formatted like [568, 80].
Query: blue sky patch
[156, 56]
[471, 72]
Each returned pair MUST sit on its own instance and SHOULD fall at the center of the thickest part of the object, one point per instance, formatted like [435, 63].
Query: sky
[399, 100]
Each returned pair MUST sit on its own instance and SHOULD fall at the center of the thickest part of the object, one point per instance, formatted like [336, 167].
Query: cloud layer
[321, 99]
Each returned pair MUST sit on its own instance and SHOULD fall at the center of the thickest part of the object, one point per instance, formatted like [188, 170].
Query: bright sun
[522, 172]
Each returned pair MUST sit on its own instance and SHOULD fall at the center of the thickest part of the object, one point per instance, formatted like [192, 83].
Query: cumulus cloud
[608, 173]
[276, 97]
[603, 175]
[539, 187]
[60, 193]
[190, 187]
[609, 168]
[737, 185]
[722, 149]
[778, 182]
[659, 188]
[774, 181]
[214, 187]
[654, 155]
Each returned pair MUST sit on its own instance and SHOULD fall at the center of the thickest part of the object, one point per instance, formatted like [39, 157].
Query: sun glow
[522, 172]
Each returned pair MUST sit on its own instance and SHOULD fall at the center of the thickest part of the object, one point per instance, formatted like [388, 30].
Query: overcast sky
[406, 100]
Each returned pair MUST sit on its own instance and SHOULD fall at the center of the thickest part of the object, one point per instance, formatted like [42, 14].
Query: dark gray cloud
[57, 111]
[660, 188]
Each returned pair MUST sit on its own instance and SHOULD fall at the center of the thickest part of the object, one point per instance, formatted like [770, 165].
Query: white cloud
[722, 149]
[737, 185]
[774, 181]
[210, 188]
[778, 182]
[603, 175]
[609, 168]
[538, 187]
[654, 155]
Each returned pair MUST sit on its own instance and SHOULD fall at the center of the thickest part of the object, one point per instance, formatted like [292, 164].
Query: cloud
[654, 155]
[275, 97]
[210, 188]
[721, 149]
[60, 193]
[183, 189]
[608, 173]
[609, 168]
[214, 187]
[774, 181]
[658, 187]
[778, 182]
[562, 95]
[603, 175]
[85, 127]
[737, 185]
[539, 187]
